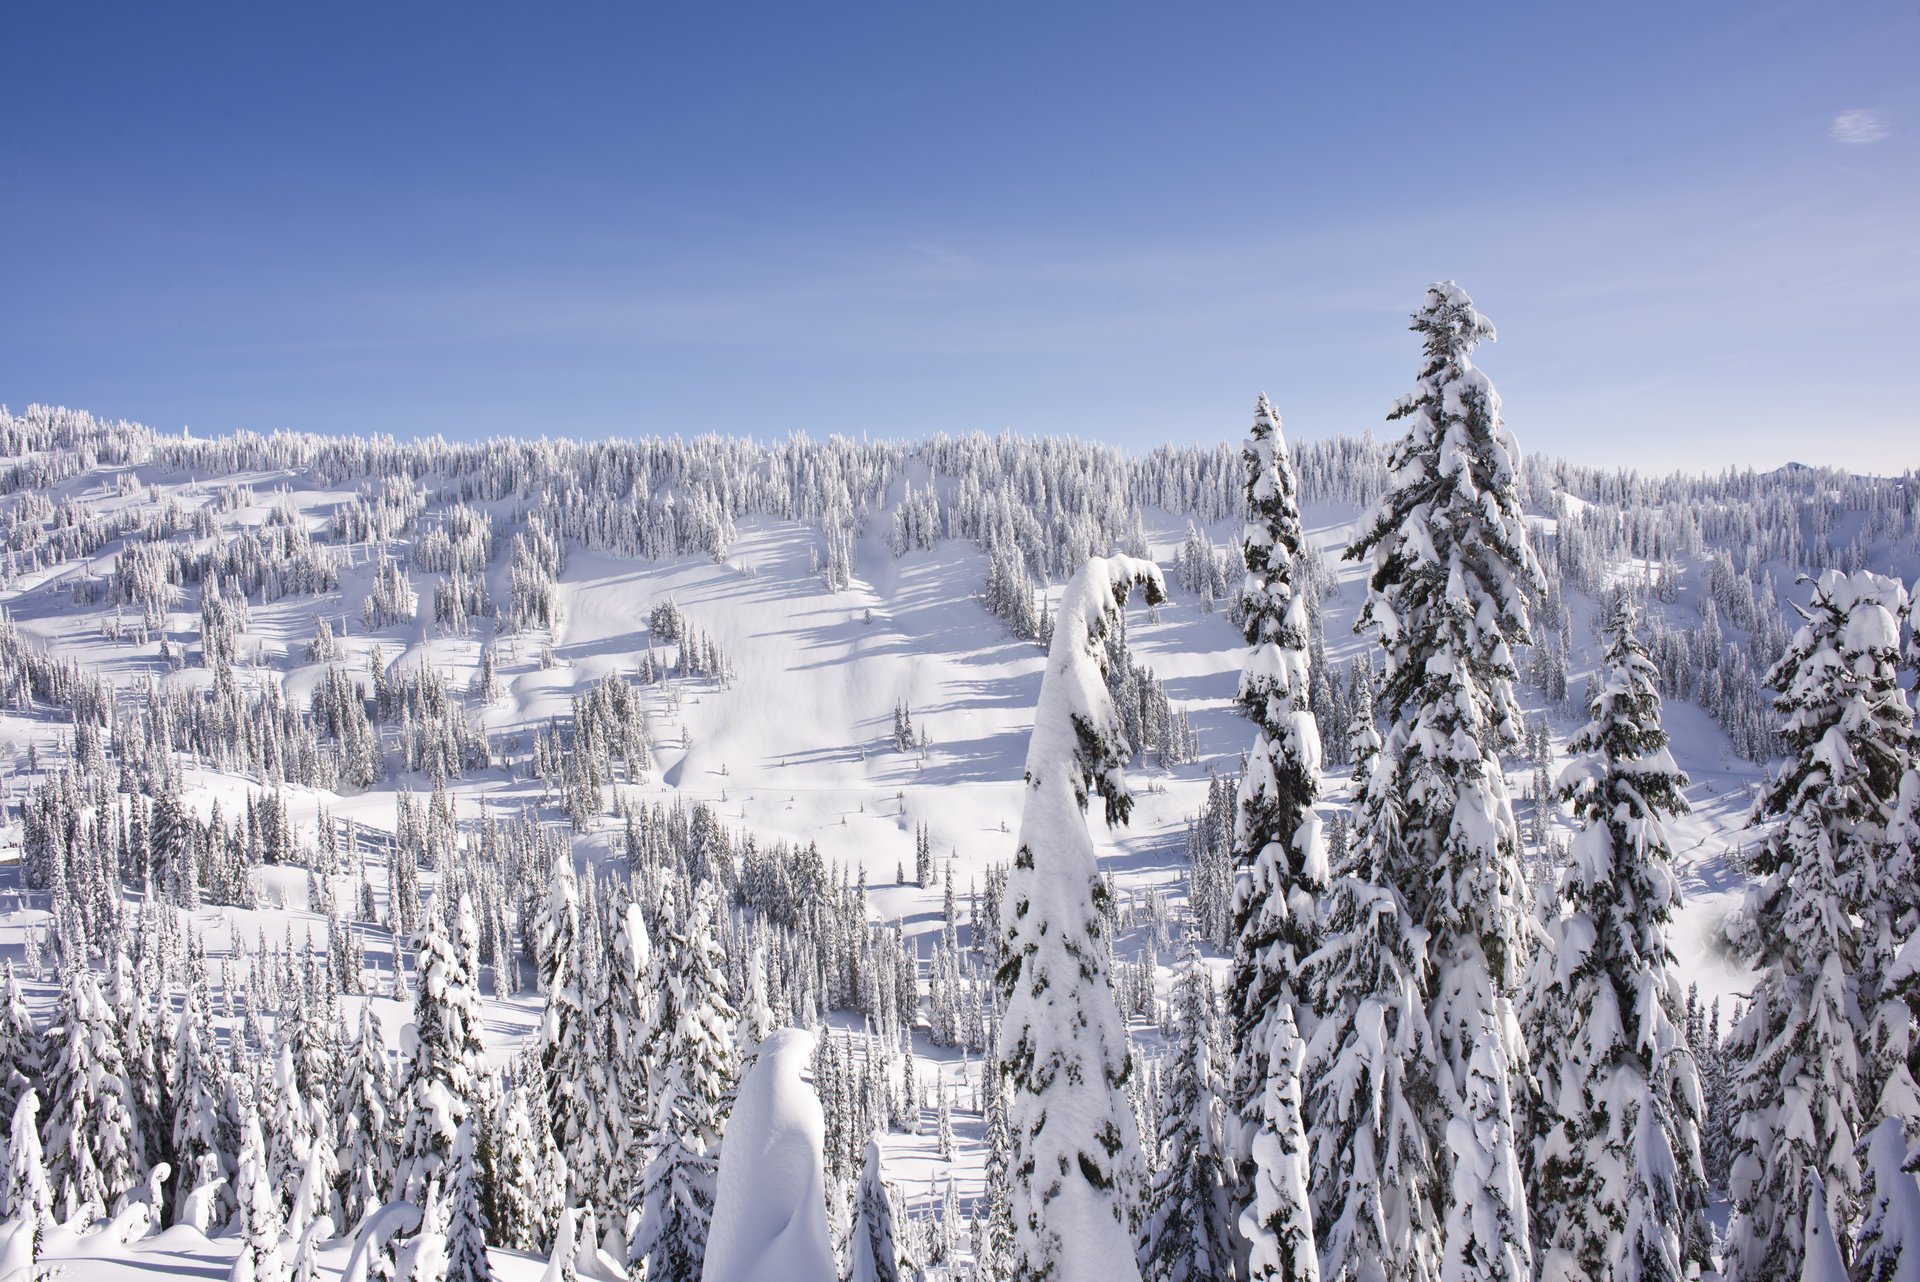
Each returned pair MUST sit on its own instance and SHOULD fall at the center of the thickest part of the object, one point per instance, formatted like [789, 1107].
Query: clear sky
[1697, 225]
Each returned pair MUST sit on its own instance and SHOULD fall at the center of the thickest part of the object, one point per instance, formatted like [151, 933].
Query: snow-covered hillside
[830, 676]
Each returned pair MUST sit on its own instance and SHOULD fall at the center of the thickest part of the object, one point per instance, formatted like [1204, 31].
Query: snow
[792, 747]
[770, 1216]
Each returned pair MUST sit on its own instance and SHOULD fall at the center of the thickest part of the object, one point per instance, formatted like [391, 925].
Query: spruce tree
[20, 1048]
[1189, 1232]
[1814, 925]
[28, 1195]
[198, 1093]
[1618, 1189]
[93, 1148]
[1280, 848]
[363, 1123]
[691, 1065]
[1414, 1068]
[874, 1245]
[448, 1058]
[1063, 1047]
[260, 1258]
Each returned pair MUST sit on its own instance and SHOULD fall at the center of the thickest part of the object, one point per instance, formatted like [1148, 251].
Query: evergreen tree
[448, 1058]
[1278, 842]
[1618, 1188]
[875, 1250]
[20, 1050]
[1417, 1165]
[1063, 1047]
[1805, 1098]
[691, 1071]
[363, 1123]
[1189, 1225]
[29, 1198]
[260, 1258]
[467, 1222]
[92, 1144]
[198, 1094]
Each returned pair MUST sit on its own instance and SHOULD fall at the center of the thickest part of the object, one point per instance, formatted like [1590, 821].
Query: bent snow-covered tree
[1804, 1095]
[1425, 944]
[1280, 854]
[1619, 1190]
[1063, 1047]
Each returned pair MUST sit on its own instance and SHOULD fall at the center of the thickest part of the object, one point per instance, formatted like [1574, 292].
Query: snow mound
[770, 1214]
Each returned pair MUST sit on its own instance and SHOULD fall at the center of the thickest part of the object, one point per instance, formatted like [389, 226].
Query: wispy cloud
[1858, 128]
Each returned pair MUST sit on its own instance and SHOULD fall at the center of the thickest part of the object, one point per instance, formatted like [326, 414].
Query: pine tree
[29, 1197]
[691, 1065]
[1277, 841]
[467, 1223]
[1417, 1165]
[260, 1258]
[363, 1113]
[1618, 1188]
[92, 1145]
[876, 1254]
[1063, 1047]
[1189, 1225]
[1804, 1097]
[198, 1094]
[20, 1049]
[448, 1058]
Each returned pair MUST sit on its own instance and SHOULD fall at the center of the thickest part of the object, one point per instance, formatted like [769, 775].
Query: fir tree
[1805, 1098]
[1417, 1165]
[448, 1059]
[1618, 1189]
[1189, 1225]
[874, 1245]
[28, 1196]
[691, 1066]
[260, 1259]
[92, 1145]
[363, 1123]
[1063, 1047]
[1278, 843]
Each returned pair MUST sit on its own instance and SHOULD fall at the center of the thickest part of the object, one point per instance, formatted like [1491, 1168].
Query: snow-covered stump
[770, 1210]
[1063, 1046]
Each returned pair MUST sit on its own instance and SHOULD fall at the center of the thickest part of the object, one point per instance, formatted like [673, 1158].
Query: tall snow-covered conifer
[691, 1063]
[1281, 856]
[1189, 1234]
[1417, 1162]
[1618, 1190]
[1804, 1095]
[442, 1081]
[1063, 1046]
[93, 1147]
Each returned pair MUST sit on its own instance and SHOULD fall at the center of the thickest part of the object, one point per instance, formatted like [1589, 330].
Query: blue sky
[1696, 225]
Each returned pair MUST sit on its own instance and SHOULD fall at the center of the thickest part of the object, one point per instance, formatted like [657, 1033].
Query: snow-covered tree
[262, 1227]
[466, 1221]
[198, 1096]
[442, 1081]
[363, 1122]
[692, 1066]
[770, 1206]
[1281, 858]
[1062, 1045]
[874, 1243]
[1189, 1231]
[28, 1196]
[1618, 1188]
[20, 1049]
[93, 1148]
[1804, 1097]
[1417, 1163]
